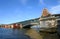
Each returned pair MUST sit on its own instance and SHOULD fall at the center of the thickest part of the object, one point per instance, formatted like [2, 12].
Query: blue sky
[19, 10]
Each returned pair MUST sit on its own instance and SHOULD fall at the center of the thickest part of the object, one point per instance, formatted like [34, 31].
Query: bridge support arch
[27, 26]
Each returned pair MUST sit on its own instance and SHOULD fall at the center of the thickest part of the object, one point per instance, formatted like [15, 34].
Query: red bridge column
[14, 26]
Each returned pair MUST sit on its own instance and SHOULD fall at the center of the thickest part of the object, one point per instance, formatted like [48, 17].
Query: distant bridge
[29, 23]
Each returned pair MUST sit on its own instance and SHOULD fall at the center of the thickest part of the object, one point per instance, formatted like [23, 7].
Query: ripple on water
[13, 34]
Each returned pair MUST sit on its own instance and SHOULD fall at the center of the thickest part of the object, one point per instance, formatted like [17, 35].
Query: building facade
[48, 20]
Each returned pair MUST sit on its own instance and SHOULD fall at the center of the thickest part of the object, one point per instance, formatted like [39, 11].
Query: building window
[58, 16]
[53, 16]
[44, 24]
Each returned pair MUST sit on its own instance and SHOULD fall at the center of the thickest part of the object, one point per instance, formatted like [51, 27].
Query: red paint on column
[14, 26]
[18, 25]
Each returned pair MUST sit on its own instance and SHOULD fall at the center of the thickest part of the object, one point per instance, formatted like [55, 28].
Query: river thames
[6, 33]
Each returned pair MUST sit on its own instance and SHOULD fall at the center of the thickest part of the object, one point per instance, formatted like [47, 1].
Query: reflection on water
[41, 35]
[13, 34]
[33, 34]
[24, 34]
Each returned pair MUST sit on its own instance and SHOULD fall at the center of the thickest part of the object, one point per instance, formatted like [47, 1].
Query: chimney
[45, 13]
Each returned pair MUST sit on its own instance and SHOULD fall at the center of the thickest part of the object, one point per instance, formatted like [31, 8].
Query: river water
[13, 34]
[22, 34]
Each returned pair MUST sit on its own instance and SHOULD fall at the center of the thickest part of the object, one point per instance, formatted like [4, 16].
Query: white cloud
[55, 9]
[24, 2]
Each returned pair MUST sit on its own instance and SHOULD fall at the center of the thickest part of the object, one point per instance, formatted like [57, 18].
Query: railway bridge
[26, 23]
